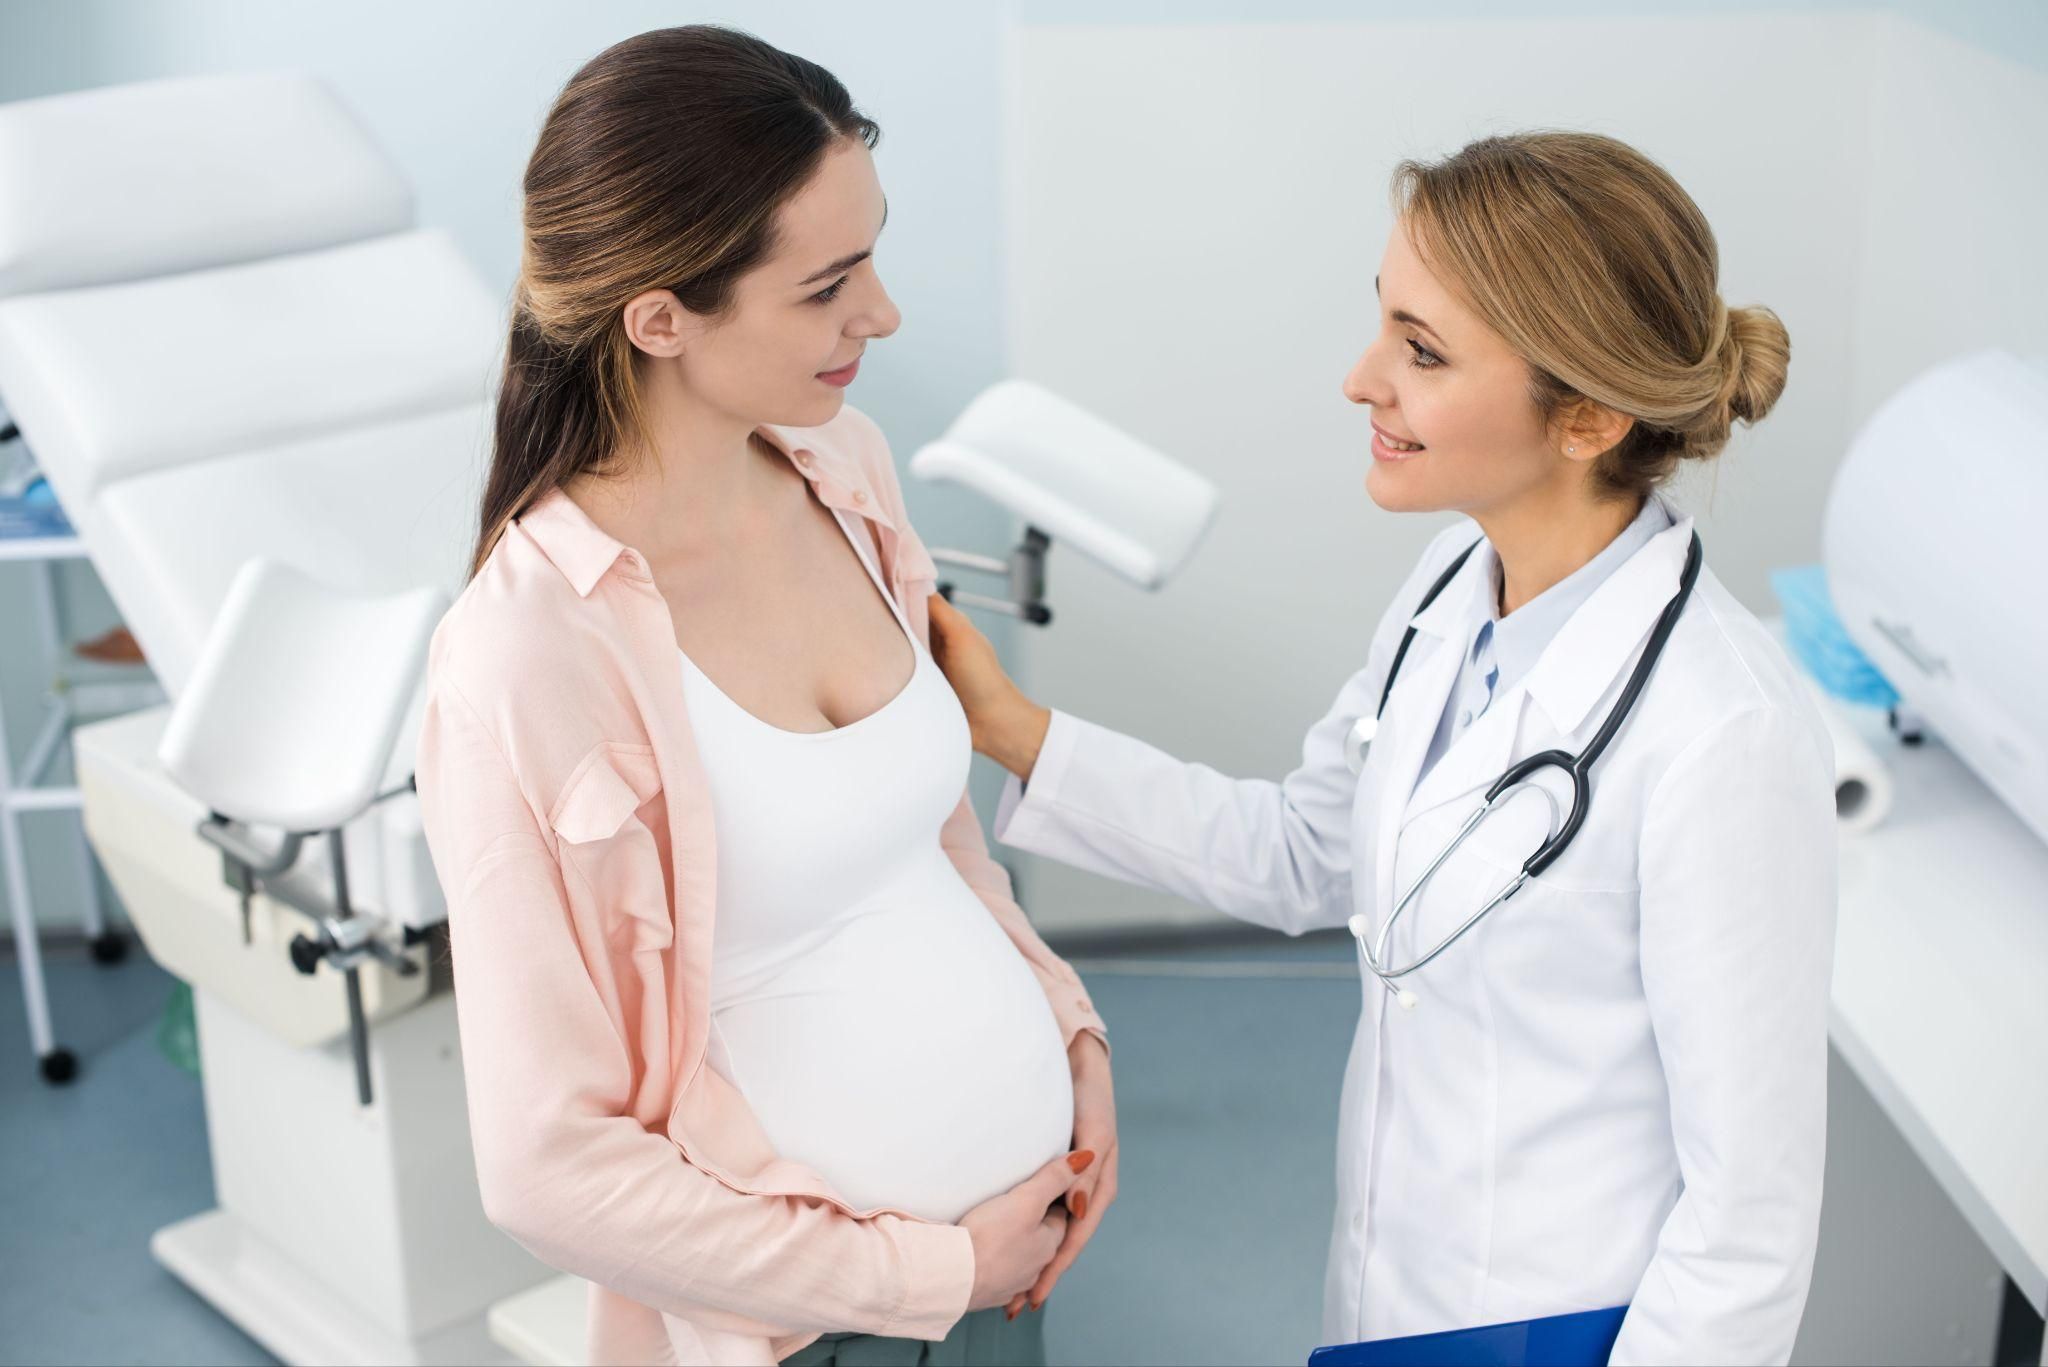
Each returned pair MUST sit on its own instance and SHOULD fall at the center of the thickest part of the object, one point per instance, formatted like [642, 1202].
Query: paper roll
[1863, 785]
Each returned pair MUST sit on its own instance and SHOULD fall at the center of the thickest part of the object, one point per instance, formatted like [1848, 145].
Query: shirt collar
[1594, 640]
[583, 551]
[1520, 637]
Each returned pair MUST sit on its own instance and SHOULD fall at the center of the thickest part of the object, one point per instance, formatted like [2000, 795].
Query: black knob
[307, 953]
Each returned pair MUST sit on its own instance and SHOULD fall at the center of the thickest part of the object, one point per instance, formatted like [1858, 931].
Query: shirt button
[1465, 718]
[803, 458]
[860, 496]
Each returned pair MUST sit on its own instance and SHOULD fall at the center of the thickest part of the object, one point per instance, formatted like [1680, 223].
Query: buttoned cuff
[938, 1270]
[1022, 812]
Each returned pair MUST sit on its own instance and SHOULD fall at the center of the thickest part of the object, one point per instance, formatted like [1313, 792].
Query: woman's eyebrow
[844, 263]
[1404, 316]
[847, 263]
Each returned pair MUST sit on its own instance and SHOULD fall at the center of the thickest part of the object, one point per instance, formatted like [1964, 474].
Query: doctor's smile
[1386, 446]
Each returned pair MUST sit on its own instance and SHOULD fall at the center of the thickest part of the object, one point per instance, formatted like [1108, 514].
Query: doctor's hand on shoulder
[1007, 726]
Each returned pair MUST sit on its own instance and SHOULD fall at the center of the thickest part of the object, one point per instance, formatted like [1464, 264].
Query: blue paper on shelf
[1822, 644]
[1581, 1340]
[33, 513]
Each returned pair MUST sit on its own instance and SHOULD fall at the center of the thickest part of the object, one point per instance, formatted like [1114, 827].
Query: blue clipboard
[1581, 1340]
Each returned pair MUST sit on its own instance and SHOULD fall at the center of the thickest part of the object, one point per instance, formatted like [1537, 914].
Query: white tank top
[882, 1027]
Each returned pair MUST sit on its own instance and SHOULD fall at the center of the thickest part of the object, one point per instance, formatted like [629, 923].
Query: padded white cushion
[375, 509]
[1076, 477]
[289, 716]
[111, 382]
[178, 175]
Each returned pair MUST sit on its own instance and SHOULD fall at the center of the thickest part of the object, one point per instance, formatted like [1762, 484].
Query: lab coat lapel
[1475, 759]
[1417, 704]
[1585, 663]
[1582, 665]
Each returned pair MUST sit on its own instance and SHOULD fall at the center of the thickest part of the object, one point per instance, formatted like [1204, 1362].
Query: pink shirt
[567, 813]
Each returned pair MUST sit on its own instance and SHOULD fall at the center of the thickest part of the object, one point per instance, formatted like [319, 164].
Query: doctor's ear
[658, 324]
[1583, 430]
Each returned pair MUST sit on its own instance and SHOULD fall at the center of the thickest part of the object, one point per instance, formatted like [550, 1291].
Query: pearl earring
[1571, 448]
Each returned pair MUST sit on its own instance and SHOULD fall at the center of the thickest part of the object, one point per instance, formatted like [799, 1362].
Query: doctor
[1611, 1090]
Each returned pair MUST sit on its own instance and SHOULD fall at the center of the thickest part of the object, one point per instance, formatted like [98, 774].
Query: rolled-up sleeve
[1738, 873]
[562, 1167]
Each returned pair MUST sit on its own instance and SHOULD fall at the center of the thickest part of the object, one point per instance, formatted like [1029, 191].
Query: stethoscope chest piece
[1359, 741]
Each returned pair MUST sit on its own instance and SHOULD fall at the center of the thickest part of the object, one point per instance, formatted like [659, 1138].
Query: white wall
[1955, 252]
[1197, 213]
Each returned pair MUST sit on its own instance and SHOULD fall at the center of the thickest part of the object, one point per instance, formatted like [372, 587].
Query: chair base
[545, 1326]
[291, 1312]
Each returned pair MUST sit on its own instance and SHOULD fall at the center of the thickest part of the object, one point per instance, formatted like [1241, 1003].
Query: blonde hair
[1601, 272]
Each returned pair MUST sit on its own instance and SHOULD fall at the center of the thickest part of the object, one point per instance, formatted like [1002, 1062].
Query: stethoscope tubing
[1578, 767]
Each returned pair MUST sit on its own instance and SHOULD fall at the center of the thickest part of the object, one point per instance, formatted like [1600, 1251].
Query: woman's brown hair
[661, 165]
[1602, 273]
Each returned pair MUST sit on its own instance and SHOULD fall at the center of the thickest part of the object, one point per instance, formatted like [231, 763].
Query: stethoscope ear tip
[1359, 925]
[1405, 997]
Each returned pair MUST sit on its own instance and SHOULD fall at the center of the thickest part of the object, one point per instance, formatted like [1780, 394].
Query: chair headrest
[114, 382]
[143, 180]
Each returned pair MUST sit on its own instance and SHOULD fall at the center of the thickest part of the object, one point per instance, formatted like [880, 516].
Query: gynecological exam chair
[261, 394]
[242, 367]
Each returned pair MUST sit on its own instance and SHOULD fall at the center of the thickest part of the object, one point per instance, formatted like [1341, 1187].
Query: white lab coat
[1614, 1088]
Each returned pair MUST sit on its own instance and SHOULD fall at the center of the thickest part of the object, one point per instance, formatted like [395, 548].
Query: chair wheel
[108, 947]
[60, 1065]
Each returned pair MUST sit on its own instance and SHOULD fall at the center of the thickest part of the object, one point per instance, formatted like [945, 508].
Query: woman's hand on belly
[1016, 1234]
[1090, 1196]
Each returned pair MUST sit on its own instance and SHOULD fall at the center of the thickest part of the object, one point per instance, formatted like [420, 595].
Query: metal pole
[51, 617]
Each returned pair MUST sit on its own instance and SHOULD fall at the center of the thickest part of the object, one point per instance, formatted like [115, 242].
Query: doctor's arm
[1738, 907]
[1274, 854]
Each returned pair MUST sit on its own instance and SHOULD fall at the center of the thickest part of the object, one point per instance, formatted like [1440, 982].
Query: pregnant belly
[909, 1056]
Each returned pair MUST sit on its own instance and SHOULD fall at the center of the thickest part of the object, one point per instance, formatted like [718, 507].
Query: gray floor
[1227, 1088]
[92, 1168]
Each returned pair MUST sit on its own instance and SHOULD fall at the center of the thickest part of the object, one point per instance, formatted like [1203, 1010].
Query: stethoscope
[1373, 954]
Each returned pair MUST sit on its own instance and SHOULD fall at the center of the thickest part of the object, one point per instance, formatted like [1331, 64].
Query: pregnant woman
[755, 1038]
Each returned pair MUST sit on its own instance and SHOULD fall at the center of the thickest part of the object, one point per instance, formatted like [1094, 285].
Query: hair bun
[1755, 352]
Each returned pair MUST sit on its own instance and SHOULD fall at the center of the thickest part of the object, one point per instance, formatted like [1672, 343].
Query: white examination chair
[226, 342]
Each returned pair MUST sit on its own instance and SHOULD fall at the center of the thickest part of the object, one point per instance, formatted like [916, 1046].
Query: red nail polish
[1080, 1205]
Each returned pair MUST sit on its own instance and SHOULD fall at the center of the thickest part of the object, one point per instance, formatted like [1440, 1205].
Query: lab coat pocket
[606, 840]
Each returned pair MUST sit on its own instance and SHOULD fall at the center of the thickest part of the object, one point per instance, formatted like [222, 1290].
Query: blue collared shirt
[1505, 648]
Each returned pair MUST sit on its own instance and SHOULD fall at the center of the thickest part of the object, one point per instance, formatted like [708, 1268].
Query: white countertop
[1940, 1000]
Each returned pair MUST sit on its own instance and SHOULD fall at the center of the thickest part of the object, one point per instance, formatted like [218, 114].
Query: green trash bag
[176, 1034]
